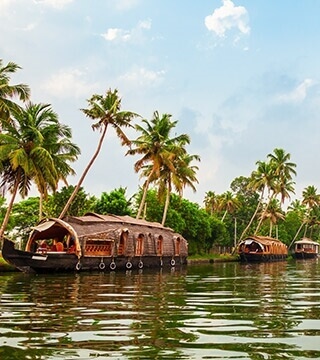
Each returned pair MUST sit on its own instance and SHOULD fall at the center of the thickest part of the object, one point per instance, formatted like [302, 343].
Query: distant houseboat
[262, 249]
[97, 242]
[305, 249]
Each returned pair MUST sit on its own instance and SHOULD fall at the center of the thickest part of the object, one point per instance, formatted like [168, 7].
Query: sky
[241, 78]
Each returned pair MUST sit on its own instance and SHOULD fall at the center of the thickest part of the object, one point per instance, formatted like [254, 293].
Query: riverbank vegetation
[37, 150]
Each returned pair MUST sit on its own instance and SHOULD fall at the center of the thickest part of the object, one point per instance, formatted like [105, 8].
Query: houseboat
[305, 249]
[262, 249]
[97, 242]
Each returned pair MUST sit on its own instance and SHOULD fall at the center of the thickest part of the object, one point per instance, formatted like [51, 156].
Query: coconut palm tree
[281, 170]
[105, 111]
[229, 203]
[183, 175]
[25, 155]
[261, 180]
[273, 214]
[8, 91]
[157, 149]
[211, 202]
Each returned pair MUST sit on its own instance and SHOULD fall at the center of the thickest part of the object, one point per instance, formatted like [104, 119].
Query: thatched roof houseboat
[261, 249]
[97, 242]
[306, 249]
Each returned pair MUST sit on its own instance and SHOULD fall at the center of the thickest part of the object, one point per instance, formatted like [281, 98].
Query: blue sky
[241, 77]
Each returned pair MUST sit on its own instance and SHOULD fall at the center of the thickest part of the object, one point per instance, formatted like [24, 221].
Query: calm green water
[218, 311]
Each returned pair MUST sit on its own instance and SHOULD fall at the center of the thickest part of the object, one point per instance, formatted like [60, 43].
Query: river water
[214, 311]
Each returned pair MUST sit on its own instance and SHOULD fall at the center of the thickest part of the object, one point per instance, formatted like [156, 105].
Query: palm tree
[261, 180]
[183, 174]
[311, 200]
[229, 203]
[211, 202]
[157, 148]
[8, 91]
[273, 214]
[105, 110]
[25, 155]
[281, 177]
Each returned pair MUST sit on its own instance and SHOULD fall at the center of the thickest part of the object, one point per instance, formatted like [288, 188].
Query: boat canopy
[53, 228]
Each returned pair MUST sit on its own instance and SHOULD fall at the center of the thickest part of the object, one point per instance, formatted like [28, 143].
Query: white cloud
[116, 34]
[5, 4]
[68, 84]
[298, 94]
[56, 4]
[143, 77]
[226, 17]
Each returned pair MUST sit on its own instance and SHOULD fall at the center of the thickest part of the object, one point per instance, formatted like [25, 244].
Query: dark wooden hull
[256, 258]
[31, 262]
[301, 255]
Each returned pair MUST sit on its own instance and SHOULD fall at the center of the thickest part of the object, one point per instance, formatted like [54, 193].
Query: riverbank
[4, 266]
[196, 259]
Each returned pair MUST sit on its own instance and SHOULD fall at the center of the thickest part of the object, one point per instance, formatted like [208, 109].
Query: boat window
[160, 245]
[123, 242]
[139, 245]
[97, 247]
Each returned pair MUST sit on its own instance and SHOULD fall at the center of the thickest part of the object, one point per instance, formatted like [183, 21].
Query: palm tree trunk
[76, 189]
[224, 215]
[270, 229]
[252, 218]
[7, 215]
[40, 205]
[296, 235]
[263, 214]
[144, 195]
[166, 205]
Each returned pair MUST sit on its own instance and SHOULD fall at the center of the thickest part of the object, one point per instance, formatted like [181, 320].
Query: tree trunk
[76, 189]
[296, 235]
[263, 214]
[144, 195]
[252, 218]
[224, 215]
[166, 205]
[7, 215]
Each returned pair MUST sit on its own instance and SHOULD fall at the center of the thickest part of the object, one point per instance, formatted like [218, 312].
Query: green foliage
[113, 203]
[25, 214]
[82, 203]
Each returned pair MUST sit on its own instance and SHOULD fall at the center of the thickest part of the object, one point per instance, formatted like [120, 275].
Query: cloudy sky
[241, 77]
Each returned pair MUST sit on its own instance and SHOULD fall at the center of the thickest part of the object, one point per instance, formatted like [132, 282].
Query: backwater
[212, 311]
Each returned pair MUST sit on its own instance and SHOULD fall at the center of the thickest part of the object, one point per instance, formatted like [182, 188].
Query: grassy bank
[213, 258]
[4, 266]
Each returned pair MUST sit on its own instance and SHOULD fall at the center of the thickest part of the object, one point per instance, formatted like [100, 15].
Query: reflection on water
[218, 311]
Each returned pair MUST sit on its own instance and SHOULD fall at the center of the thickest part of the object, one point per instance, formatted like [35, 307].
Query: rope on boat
[172, 262]
[140, 265]
[113, 265]
[78, 266]
[129, 265]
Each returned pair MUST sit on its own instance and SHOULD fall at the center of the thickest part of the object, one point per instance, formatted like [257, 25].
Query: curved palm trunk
[253, 217]
[40, 205]
[144, 195]
[76, 189]
[296, 235]
[224, 215]
[263, 214]
[7, 215]
[166, 205]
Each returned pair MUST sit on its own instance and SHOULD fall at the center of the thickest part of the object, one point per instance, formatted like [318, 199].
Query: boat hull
[247, 257]
[305, 255]
[31, 262]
